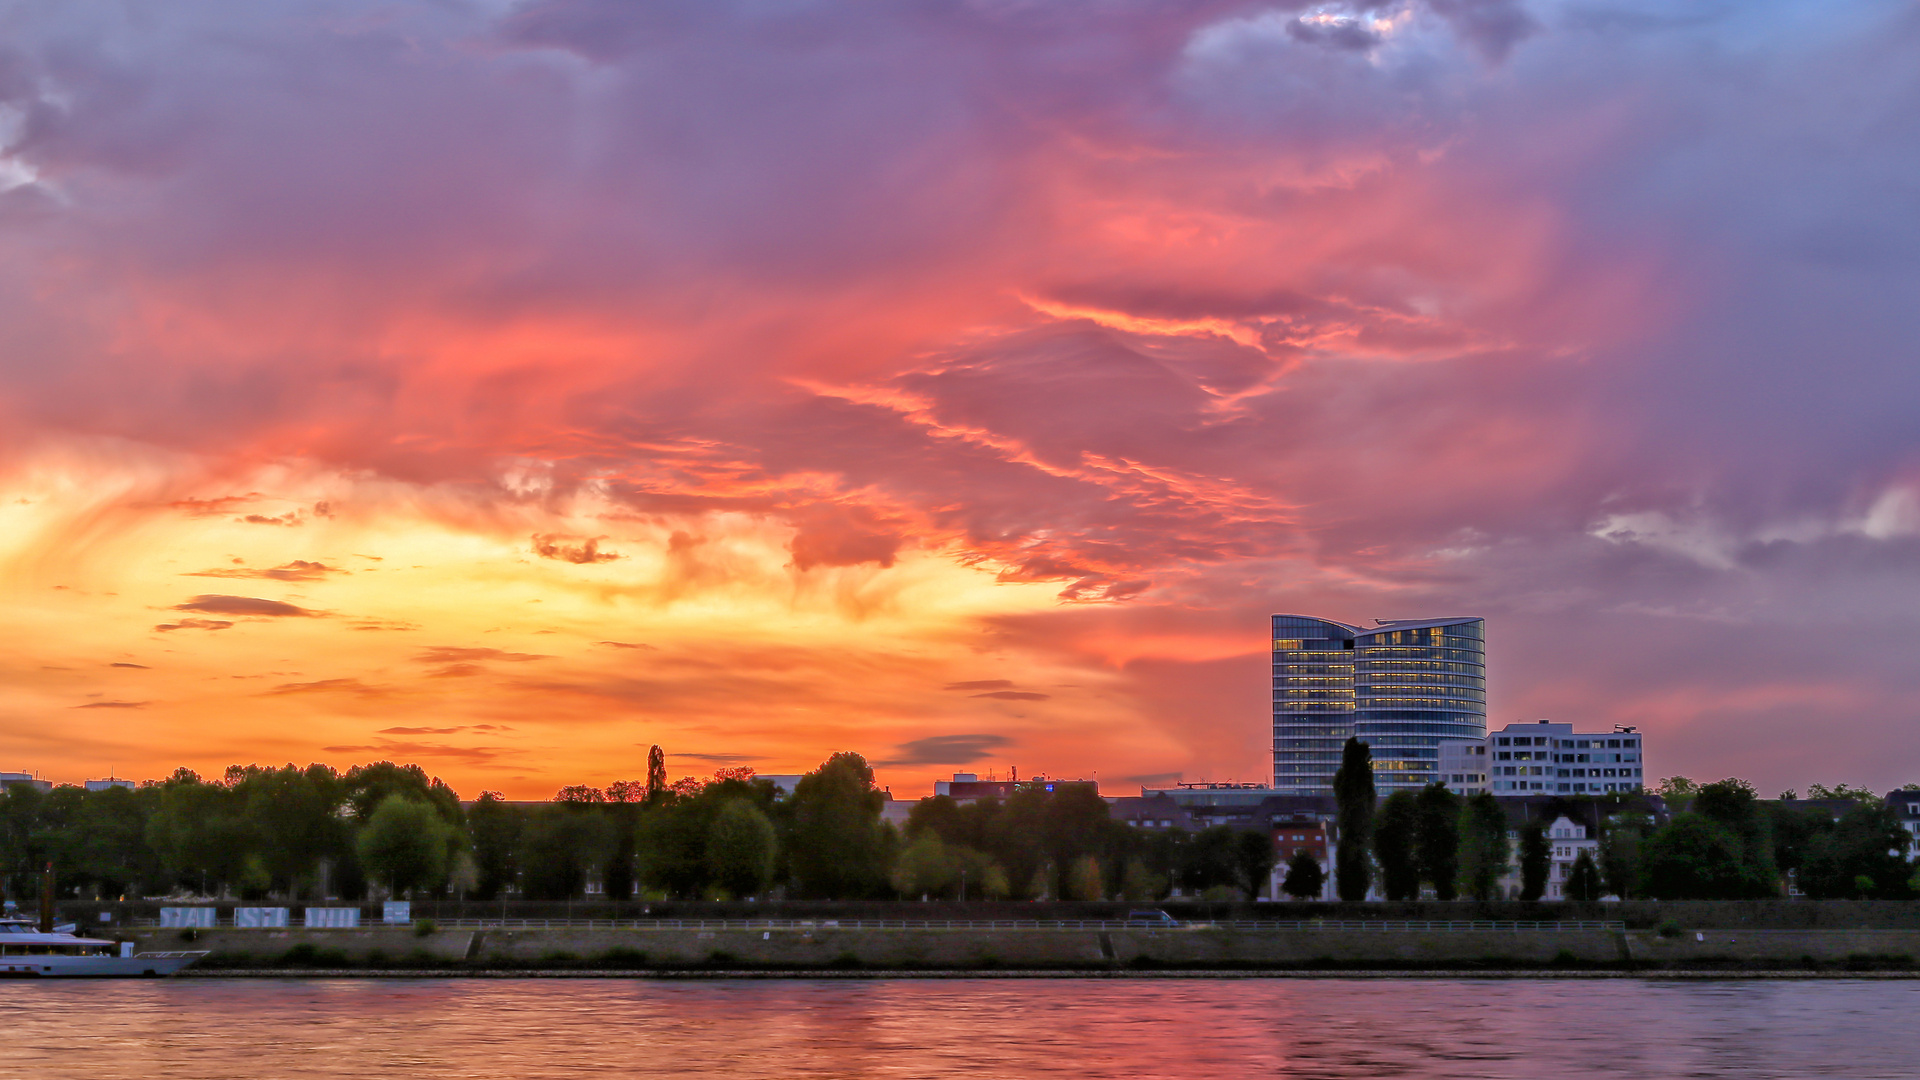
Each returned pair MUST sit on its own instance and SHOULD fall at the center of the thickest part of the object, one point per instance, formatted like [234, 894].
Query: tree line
[1721, 842]
[385, 829]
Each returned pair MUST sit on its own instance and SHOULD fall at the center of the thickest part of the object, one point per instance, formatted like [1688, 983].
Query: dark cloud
[625, 645]
[981, 684]
[572, 549]
[1016, 695]
[403, 749]
[422, 730]
[1493, 27]
[715, 759]
[946, 750]
[113, 705]
[453, 654]
[242, 605]
[332, 686]
[120, 663]
[195, 624]
[297, 570]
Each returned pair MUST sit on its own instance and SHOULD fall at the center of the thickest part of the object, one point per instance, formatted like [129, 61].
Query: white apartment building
[1544, 758]
[1569, 838]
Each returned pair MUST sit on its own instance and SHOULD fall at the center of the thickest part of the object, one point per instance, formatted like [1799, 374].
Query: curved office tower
[1403, 686]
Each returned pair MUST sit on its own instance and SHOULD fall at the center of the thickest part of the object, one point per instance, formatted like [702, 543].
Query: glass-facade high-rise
[1403, 686]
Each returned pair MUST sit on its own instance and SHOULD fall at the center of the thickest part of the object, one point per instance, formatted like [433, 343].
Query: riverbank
[1040, 951]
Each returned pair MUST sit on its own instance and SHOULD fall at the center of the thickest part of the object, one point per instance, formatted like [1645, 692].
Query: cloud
[572, 549]
[401, 749]
[1015, 695]
[422, 730]
[452, 654]
[715, 759]
[242, 605]
[946, 750]
[297, 570]
[123, 664]
[113, 705]
[332, 686]
[625, 645]
[195, 624]
[981, 684]
[291, 517]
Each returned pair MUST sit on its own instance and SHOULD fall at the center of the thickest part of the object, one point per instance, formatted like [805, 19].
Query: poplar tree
[1354, 795]
[1393, 840]
[1536, 860]
[1437, 839]
[1483, 846]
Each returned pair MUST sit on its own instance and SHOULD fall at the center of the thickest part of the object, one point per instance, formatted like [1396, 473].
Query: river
[979, 1029]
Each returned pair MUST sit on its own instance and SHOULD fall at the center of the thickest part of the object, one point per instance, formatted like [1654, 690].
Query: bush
[1668, 928]
[424, 928]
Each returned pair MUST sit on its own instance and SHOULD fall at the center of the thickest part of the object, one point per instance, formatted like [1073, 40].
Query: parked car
[1151, 917]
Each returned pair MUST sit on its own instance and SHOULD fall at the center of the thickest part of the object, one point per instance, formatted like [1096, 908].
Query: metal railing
[1369, 925]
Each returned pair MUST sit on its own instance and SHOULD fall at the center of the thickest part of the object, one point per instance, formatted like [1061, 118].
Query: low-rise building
[110, 782]
[20, 779]
[1905, 804]
[1153, 812]
[1546, 758]
[968, 787]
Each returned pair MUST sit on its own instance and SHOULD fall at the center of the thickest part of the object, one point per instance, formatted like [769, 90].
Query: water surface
[979, 1029]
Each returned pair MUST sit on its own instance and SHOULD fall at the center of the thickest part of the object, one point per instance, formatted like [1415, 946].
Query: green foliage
[495, 829]
[1254, 856]
[1437, 840]
[1863, 857]
[1393, 846]
[1211, 860]
[1678, 791]
[1141, 882]
[1305, 879]
[1621, 841]
[1693, 858]
[1536, 860]
[1583, 881]
[406, 845]
[1862, 795]
[1084, 881]
[839, 848]
[1353, 791]
[561, 848]
[926, 867]
[1483, 846]
[740, 848]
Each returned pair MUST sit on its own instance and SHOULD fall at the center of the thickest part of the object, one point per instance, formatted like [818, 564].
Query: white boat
[27, 953]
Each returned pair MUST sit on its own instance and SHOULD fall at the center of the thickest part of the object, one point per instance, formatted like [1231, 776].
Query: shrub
[424, 928]
[1668, 928]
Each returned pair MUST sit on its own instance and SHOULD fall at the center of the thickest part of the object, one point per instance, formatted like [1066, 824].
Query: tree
[1733, 805]
[1393, 846]
[741, 848]
[1677, 791]
[405, 845]
[656, 773]
[839, 849]
[1483, 846]
[1863, 857]
[1255, 855]
[924, 868]
[1692, 858]
[1437, 839]
[1583, 882]
[1084, 881]
[1621, 840]
[1536, 860]
[292, 815]
[1304, 878]
[563, 847]
[493, 829]
[1866, 796]
[1211, 860]
[1141, 882]
[1353, 792]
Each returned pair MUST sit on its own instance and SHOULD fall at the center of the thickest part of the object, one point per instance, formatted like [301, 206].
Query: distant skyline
[508, 386]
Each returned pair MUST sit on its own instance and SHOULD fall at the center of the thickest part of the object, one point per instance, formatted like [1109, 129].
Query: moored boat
[25, 952]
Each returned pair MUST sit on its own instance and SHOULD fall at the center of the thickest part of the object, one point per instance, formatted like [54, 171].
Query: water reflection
[1334, 1028]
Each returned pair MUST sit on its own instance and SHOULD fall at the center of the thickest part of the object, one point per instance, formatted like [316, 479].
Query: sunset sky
[506, 387]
